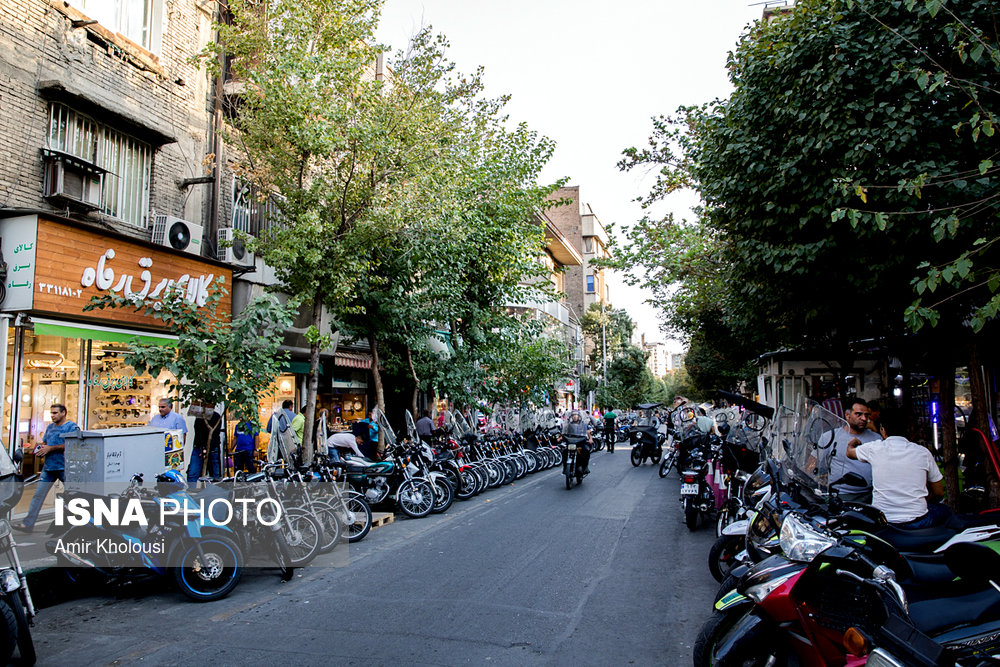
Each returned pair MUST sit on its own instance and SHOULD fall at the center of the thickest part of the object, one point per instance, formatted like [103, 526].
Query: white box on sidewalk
[103, 462]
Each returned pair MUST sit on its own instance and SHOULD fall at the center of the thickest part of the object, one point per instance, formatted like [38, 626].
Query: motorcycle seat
[357, 465]
[935, 616]
[919, 540]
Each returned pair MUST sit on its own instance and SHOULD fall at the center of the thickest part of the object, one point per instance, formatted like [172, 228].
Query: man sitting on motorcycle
[576, 426]
[904, 475]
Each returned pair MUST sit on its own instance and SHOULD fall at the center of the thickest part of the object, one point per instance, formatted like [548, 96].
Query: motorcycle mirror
[18, 455]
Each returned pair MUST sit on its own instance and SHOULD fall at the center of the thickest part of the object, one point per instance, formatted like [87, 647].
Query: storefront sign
[65, 266]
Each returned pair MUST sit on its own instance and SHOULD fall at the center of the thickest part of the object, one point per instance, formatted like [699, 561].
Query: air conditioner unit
[231, 249]
[72, 180]
[177, 234]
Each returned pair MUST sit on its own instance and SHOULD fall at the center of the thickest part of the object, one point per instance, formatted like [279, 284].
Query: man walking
[53, 450]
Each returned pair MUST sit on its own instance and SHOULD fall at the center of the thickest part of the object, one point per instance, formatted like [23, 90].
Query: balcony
[591, 226]
[553, 309]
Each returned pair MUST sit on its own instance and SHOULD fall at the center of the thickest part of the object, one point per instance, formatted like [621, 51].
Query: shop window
[51, 375]
[126, 160]
[117, 396]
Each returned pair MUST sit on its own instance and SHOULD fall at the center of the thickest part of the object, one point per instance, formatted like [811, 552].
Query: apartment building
[585, 284]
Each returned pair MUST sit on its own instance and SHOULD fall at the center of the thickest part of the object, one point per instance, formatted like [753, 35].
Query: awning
[44, 327]
[298, 367]
[353, 360]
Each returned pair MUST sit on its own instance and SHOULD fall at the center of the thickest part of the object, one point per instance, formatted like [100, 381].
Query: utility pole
[604, 343]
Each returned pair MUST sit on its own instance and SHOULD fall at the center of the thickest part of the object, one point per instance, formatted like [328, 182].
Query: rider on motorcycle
[576, 426]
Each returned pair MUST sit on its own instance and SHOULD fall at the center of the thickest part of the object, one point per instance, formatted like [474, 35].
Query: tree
[347, 149]
[214, 360]
[602, 323]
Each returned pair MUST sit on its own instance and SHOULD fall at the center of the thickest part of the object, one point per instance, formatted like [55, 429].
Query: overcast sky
[590, 74]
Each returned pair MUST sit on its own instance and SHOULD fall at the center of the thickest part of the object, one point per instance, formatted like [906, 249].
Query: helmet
[170, 482]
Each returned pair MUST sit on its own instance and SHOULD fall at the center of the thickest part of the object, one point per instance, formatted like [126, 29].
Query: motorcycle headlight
[758, 592]
[802, 542]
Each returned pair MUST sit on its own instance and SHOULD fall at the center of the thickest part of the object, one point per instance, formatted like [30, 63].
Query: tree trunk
[379, 392]
[980, 413]
[946, 417]
[416, 381]
[312, 387]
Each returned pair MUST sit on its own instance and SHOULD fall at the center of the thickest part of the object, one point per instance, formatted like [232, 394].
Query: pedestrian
[53, 449]
[609, 427]
[207, 443]
[425, 427]
[299, 423]
[285, 417]
[247, 439]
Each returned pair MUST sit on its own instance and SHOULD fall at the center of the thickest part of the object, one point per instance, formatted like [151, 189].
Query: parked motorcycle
[646, 439]
[17, 610]
[202, 556]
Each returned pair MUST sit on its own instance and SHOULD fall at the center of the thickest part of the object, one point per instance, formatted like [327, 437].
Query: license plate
[689, 489]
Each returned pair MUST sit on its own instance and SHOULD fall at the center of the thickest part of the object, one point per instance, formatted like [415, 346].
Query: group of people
[901, 476]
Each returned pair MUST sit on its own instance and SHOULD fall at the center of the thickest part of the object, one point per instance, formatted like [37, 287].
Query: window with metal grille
[127, 160]
[253, 213]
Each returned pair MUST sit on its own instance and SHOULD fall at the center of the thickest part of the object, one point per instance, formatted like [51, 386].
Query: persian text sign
[73, 264]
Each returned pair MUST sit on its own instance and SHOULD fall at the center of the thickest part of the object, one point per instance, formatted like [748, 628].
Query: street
[605, 573]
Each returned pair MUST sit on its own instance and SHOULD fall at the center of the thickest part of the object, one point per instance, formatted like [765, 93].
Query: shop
[58, 353]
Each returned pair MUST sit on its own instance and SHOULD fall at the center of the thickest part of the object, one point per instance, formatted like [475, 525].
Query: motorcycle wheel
[470, 484]
[763, 647]
[9, 624]
[328, 520]
[690, 514]
[304, 536]
[281, 555]
[444, 495]
[415, 498]
[214, 579]
[568, 469]
[667, 463]
[25, 646]
[362, 513]
[657, 455]
[722, 555]
[636, 457]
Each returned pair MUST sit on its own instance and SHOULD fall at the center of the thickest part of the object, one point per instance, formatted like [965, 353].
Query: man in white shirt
[345, 440]
[904, 475]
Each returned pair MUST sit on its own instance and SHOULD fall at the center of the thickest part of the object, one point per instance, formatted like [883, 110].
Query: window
[139, 20]
[127, 160]
[590, 284]
[588, 244]
[251, 214]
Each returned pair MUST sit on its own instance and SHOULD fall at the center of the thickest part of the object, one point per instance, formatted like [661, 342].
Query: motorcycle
[17, 610]
[202, 556]
[573, 467]
[646, 440]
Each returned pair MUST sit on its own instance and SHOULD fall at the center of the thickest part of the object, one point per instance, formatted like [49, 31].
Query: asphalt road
[603, 574]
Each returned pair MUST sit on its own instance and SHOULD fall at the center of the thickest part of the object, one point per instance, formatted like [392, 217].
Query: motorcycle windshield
[411, 426]
[808, 459]
[383, 424]
[461, 425]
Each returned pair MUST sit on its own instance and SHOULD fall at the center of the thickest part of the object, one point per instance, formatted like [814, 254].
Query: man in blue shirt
[53, 450]
[168, 419]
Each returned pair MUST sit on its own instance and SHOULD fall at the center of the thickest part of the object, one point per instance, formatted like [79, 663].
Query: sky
[590, 74]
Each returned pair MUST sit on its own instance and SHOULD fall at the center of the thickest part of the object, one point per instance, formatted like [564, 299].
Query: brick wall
[120, 84]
